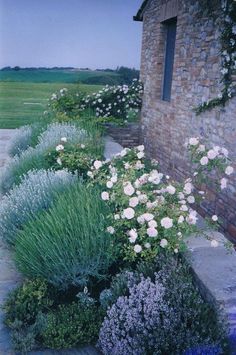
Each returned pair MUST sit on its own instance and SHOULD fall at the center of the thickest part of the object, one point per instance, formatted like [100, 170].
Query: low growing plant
[159, 313]
[72, 325]
[20, 141]
[35, 193]
[68, 245]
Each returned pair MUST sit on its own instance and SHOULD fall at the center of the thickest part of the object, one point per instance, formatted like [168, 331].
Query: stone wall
[196, 78]
[128, 136]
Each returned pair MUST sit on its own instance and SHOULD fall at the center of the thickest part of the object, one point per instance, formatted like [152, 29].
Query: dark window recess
[169, 58]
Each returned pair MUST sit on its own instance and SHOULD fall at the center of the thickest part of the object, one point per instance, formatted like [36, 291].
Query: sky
[77, 33]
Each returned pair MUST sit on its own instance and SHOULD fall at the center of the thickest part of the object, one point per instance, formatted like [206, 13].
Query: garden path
[9, 277]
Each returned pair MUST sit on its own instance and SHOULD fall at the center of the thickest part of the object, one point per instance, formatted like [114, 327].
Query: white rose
[129, 213]
[133, 235]
[214, 218]
[191, 199]
[141, 219]
[140, 148]
[171, 189]
[137, 248]
[212, 154]
[224, 152]
[109, 184]
[152, 232]
[129, 189]
[167, 222]
[194, 141]
[59, 147]
[148, 216]
[229, 170]
[152, 224]
[214, 243]
[163, 243]
[114, 179]
[223, 183]
[97, 164]
[123, 152]
[140, 155]
[204, 161]
[188, 188]
[105, 196]
[201, 148]
[64, 139]
[116, 217]
[147, 245]
[142, 198]
[192, 217]
[133, 202]
[181, 219]
[59, 161]
[110, 230]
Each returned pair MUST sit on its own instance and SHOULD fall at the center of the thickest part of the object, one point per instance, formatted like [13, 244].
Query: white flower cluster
[214, 157]
[115, 101]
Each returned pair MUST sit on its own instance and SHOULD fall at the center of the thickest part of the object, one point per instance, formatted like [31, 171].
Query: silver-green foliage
[34, 194]
[34, 158]
[20, 141]
[68, 245]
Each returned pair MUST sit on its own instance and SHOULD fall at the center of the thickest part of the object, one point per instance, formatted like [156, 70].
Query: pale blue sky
[79, 33]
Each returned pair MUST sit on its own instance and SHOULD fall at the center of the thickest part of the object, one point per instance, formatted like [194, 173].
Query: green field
[24, 102]
[51, 76]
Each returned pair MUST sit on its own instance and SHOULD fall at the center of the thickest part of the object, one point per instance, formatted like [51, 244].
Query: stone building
[180, 69]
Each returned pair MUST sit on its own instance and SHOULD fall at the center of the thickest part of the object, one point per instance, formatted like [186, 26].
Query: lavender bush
[34, 194]
[21, 141]
[161, 313]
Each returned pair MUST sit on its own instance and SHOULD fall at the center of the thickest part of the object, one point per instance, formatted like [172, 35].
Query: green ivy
[228, 52]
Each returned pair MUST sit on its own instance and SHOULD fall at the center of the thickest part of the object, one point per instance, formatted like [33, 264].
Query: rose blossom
[140, 148]
[193, 141]
[114, 179]
[133, 235]
[163, 243]
[129, 213]
[223, 183]
[147, 245]
[171, 189]
[152, 232]
[214, 218]
[109, 184]
[229, 170]
[133, 202]
[110, 230]
[59, 147]
[59, 161]
[97, 164]
[148, 216]
[214, 243]
[212, 154]
[137, 248]
[129, 189]
[181, 219]
[116, 217]
[140, 155]
[152, 223]
[64, 139]
[204, 161]
[167, 222]
[191, 199]
[105, 196]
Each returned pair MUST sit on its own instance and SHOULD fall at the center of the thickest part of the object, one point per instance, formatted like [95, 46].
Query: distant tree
[16, 68]
[127, 74]
[6, 69]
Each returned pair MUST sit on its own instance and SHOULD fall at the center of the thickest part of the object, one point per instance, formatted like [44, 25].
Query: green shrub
[67, 245]
[26, 302]
[72, 325]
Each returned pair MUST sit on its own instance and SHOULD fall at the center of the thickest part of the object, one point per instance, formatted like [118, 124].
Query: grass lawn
[24, 102]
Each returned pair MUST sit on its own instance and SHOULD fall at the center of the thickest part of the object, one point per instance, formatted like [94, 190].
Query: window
[170, 29]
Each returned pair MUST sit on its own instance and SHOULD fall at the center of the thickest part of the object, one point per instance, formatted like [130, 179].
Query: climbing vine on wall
[228, 52]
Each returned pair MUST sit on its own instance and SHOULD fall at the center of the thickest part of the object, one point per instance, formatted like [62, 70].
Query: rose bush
[150, 211]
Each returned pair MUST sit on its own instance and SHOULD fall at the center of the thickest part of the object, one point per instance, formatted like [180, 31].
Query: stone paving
[9, 277]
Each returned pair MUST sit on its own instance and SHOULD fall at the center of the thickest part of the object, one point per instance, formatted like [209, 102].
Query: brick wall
[128, 136]
[196, 77]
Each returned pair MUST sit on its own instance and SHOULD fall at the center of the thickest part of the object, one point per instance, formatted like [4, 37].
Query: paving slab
[111, 147]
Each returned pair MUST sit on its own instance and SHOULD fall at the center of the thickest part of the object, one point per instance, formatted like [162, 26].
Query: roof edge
[139, 15]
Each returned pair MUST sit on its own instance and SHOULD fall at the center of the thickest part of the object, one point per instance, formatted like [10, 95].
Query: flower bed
[100, 244]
